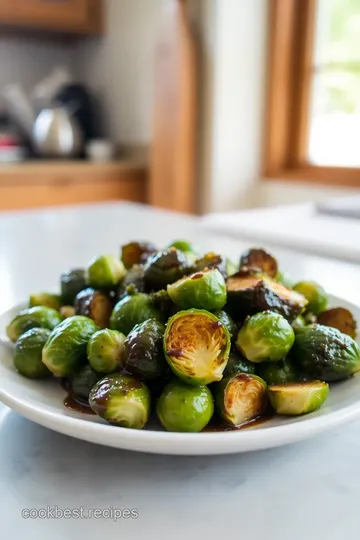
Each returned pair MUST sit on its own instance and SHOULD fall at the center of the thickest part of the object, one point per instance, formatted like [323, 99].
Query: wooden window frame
[291, 45]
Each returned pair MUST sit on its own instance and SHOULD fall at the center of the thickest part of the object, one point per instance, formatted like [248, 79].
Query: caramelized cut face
[240, 283]
[245, 399]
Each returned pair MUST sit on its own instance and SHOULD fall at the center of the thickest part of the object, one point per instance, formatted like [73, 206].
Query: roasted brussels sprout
[67, 311]
[197, 346]
[339, 318]
[106, 351]
[27, 354]
[45, 299]
[136, 253]
[65, 350]
[185, 408]
[241, 398]
[83, 381]
[227, 321]
[96, 305]
[135, 279]
[260, 260]
[265, 337]
[250, 292]
[212, 260]
[325, 353]
[183, 245]
[298, 398]
[121, 400]
[203, 290]
[279, 372]
[144, 355]
[238, 364]
[71, 284]
[131, 310]
[314, 294]
[105, 272]
[164, 267]
[36, 317]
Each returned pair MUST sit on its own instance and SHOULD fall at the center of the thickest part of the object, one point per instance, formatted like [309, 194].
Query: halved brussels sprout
[97, 305]
[121, 400]
[36, 317]
[339, 318]
[106, 351]
[238, 364]
[197, 346]
[279, 372]
[212, 260]
[144, 355]
[83, 381]
[105, 272]
[325, 353]
[45, 299]
[203, 290]
[71, 284]
[265, 337]
[136, 253]
[241, 398]
[298, 398]
[164, 267]
[185, 408]
[260, 260]
[227, 321]
[65, 350]
[132, 310]
[27, 354]
[67, 311]
[182, 245]
[314, 294]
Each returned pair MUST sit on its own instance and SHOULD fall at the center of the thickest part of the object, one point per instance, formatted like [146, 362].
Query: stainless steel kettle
[57, 134]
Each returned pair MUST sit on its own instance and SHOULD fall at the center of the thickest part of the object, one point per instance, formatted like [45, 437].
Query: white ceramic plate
[42, 402]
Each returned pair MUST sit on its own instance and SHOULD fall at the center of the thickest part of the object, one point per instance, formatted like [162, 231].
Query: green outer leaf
[45, 299]
[28, 352]
[202, 290]
[314, 294]
[106, 350]
[105, 272]
[300, 398]
[132, 310]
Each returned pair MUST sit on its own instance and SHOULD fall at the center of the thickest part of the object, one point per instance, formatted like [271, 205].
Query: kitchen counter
[308, 490]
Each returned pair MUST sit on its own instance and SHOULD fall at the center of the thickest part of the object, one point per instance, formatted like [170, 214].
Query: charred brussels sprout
[36, 317]
[67, 311]
[279, 372]
[105, 272]
[28, 351]
[182, 245]
[196, 346]
[96, 305]
[106, 350]
[144, 355]
[131, 310]
[227, 321]
[261, 260]
[339, 318]
[238, 364]
[164, 267]
[325, 353]
[45, 299]
[65, 350]
[241, 398]
[71, 284]
[121, 400]
[298, 398]
[136, 253]
[185, 408]
[314, 294]
[203, 290]
[265, 337]
[83, 381]
[212, 260]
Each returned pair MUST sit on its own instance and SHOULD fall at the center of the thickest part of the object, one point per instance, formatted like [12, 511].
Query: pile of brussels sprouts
[193, 337]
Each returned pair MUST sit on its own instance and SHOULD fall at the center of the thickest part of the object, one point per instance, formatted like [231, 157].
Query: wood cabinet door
[52, 14]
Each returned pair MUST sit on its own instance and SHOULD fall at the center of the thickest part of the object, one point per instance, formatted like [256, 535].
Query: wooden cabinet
[68, 16]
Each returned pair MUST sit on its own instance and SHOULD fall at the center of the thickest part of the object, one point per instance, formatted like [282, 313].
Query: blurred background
[201, 106]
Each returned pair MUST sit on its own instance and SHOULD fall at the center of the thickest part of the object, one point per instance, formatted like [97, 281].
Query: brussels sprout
[164, 267]
[211, 260]
[279, 372]
[238, 364]
[135, 279]
[121, 400]
[28, 350]
[299, 322]
[65, 350]
[67, 311]
[182, 245]
[45, 299]
[132, 310]
[96, 305]
[144, 355]
[185, 408]
[241, 398]
[339, 318]
[314, 294]
[106, 351]
[71, 284]
[83, 381]
[136, 253]
[250, 292]
[265, 337]
[325, 353]
[203, 290]
[197, 346]
[227, 321]
[261, 260]
[298, 398]
[105, 272]
[36, 317]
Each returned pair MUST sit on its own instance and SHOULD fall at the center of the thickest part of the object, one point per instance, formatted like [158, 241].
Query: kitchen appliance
[57, 133]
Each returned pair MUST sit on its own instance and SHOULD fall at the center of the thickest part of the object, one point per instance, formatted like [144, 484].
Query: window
[313, 114]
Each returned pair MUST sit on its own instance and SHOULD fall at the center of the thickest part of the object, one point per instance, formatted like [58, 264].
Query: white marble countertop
[308, 490]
